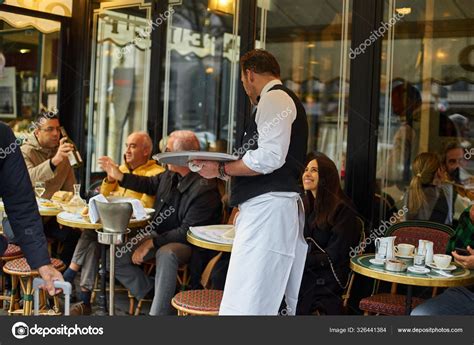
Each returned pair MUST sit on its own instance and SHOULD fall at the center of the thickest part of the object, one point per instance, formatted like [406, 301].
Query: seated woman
[331, 230]
[426, 197]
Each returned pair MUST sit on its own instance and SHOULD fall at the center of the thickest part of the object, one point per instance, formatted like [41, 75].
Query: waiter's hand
[210, 169]
[49, 275]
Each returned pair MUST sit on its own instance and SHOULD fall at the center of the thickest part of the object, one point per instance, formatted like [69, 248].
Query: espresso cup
[442, 260]
[404, 249]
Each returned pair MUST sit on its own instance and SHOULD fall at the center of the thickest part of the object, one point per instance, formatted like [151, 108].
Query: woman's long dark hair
[329, 194]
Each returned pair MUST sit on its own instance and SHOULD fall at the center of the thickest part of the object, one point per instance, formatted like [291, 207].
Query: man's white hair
[185, 141]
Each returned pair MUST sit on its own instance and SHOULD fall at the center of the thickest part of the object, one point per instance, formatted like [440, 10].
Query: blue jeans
[454, 301]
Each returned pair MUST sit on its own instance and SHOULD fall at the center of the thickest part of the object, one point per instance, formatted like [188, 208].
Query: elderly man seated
[137, 162]
[184, 199]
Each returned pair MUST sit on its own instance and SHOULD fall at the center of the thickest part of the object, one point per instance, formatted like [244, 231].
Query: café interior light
[223, 6]
[25, 51]
[404, 10]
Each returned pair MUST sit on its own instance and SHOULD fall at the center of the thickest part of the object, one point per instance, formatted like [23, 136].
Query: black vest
[285, 179]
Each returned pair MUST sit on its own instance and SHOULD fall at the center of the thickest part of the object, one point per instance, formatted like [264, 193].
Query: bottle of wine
[74, 156]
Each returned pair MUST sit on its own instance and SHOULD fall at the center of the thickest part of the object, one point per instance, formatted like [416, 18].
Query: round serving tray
[182, 158]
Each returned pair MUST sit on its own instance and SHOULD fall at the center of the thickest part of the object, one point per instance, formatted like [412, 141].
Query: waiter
[269, 250]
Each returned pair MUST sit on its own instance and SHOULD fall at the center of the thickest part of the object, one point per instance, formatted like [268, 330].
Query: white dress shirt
[276, 112]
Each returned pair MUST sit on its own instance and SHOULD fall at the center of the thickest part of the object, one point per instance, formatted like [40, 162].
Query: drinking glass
[40, 188]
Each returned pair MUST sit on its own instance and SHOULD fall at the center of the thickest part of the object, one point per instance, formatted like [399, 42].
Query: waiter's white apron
[268, 256]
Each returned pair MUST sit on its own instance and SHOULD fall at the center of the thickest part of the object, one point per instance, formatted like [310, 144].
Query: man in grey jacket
[183, 199]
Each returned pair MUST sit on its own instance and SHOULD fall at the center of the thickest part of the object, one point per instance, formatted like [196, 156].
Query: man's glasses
[50, 129]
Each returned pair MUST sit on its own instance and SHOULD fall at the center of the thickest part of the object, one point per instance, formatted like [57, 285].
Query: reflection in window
[120, 68]
[311, 47]
[201, 62]
[427, 101]
[28, 69]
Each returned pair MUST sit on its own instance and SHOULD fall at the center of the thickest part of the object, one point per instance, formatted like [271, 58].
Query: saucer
[418, 270]
[377, 262]
[404, 256]
[449, 268]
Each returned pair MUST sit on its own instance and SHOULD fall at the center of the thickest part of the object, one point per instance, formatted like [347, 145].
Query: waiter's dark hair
[260, 61]
[329, 195]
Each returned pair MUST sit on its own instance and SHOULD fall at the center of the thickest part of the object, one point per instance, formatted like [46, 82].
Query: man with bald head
[138, 149]
[184, 199]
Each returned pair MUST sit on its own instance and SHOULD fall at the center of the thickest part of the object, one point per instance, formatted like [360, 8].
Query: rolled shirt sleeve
[275, 114]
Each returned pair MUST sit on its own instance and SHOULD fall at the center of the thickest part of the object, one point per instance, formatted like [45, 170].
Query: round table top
[44, 212]
[67, 219]
[202, 243]
[461, 276]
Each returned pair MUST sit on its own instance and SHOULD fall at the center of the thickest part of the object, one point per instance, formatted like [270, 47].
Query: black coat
[319, 288]
[180, 202]
[17, 193]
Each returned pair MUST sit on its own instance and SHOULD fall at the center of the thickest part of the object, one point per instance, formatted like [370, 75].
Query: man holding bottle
[46, 157]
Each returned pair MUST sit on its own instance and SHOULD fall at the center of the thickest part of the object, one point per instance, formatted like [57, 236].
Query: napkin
[139, 212]
[93, 213]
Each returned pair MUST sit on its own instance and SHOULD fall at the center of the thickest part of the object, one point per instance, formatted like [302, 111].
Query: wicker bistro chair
[407, 232]
[13, 252]
[202, 302]
[23, 275]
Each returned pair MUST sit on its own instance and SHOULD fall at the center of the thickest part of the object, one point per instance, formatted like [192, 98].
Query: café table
[44, 211]
[77, 221]
[461, 276]
[207, 244]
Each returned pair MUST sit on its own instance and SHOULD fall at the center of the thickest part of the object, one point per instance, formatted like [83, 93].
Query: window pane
[311, 44]
[29, 68]
[202, 57]
[427, 103]
[120, 68]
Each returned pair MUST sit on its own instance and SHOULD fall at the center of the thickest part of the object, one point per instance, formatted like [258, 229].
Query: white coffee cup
[442, 260]
[404, 249]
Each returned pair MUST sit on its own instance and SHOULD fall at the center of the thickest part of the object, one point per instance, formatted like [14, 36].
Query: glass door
[311, 41]
[120, 66]
[201, 71]
[426, 104]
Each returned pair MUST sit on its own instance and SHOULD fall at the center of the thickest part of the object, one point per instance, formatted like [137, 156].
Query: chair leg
[347, 295]
[96, 285]
[139, 307]
[28, 297]
[131, 305]
[14, 292]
